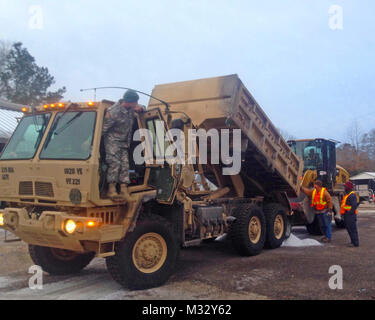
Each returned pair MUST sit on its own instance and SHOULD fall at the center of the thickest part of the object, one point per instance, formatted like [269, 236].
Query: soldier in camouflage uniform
[117, 131]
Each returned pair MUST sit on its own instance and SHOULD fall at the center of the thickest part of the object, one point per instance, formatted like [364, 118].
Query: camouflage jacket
[118, 125]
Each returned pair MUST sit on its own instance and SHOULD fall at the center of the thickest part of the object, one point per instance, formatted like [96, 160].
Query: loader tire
[248, 231]
[276, 225]
[146, 257]
[314, 228]
[59, 261]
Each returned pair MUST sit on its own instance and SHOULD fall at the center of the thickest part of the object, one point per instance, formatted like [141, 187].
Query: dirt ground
[215, 271]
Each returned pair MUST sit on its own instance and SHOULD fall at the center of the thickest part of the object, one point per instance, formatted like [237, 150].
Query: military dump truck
[53, 180]
[319, 157]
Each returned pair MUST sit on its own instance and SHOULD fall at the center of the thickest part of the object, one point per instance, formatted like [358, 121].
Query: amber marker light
[91, 103]
[91, 224]
[60, 105]
[52, 105]
[1, 219]
[25, 109]
[45, 106]
[70, 226]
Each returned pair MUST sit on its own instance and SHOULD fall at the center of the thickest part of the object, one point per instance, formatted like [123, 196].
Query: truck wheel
[248, 231]
[314, 228]
[59, 261]
[276, 225]
[340, 223]
[146, 257]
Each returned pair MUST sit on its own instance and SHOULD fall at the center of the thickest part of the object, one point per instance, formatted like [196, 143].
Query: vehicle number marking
[73, 181]
[70, 171]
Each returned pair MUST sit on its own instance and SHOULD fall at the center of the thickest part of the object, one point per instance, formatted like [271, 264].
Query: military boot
[125, 193]
[112, 192]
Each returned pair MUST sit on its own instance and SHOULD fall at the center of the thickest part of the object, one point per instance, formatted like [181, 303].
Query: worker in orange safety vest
[321, 201]
[349, 212]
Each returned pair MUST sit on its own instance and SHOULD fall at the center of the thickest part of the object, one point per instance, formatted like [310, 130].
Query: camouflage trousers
[117, 159]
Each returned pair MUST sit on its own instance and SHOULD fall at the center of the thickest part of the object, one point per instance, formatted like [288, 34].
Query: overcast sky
[311, 80]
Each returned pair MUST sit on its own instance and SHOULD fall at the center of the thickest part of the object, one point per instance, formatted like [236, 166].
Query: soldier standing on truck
[321, 201]
[349, 211]
[117, 132]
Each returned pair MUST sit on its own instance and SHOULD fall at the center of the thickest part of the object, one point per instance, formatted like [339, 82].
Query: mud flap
[308, 211]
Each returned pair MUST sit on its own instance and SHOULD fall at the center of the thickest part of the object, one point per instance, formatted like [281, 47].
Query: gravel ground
[215, 271]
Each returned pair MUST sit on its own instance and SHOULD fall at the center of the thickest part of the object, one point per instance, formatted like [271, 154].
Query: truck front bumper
[49, 230]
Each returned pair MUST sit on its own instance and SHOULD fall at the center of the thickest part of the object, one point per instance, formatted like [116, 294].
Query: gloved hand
[140, 108]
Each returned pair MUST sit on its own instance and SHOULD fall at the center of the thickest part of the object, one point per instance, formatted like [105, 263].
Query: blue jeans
[325, 223]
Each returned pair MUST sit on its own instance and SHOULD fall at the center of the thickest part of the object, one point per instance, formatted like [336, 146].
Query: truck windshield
[26, 138]
[70, 136]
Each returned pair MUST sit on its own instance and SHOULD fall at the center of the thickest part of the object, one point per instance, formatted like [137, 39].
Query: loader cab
[319, 155]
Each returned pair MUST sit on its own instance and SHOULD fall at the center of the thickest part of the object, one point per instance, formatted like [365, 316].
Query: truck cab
[53, 166]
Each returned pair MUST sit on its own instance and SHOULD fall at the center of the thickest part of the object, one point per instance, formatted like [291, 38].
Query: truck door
[163, 176]
[331, 162]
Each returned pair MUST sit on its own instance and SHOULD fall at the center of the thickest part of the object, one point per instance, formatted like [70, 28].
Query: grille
[25, 188]
[108, 217]
[44, 189]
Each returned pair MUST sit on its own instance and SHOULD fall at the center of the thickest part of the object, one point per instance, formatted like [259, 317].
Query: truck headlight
[70, 226]
[1, 219]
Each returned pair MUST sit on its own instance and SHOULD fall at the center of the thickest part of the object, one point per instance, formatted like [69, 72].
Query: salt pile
[5, 282]
[294, 241]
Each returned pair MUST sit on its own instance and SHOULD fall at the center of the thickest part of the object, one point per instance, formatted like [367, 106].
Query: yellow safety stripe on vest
[344, 206]
[323, 203]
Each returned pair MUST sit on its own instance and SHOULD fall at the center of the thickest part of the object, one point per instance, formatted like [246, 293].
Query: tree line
[357, 155]
[22, 80]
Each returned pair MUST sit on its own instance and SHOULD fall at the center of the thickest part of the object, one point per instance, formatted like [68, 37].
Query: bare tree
[358, 154]
[286, 135]
[368, 144]
[5, 47]
[354, 135]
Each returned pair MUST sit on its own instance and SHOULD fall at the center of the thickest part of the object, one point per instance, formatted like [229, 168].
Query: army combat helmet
[130, 96]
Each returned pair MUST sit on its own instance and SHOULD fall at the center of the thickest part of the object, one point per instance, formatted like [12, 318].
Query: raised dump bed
[269, 163]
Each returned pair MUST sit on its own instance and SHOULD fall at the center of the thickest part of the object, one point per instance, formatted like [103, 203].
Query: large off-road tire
[276, 225]
[248, 230]
[146, 257]
[314, 228]
[59, 261]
